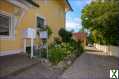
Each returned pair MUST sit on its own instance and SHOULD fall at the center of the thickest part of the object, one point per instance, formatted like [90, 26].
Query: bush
[57, 40]
[59, 50]
[56, 55]
[65, 35]
[49, 31]
[68, 49]
[73, 43]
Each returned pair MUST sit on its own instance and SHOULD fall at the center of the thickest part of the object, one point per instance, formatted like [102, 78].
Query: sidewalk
[15, 63]
[91, 66]
[21, 67]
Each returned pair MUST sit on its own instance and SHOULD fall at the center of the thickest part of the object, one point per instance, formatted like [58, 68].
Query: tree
[103, 19]
[90, 38]
[65, 35]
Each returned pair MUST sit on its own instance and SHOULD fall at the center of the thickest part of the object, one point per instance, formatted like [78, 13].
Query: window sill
[2, 37]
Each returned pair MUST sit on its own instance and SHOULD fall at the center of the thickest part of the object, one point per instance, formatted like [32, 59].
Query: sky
[73, 18]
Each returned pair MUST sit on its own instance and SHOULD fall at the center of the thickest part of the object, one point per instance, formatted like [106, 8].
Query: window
[7, 25]
[40, 22]
[4, 24]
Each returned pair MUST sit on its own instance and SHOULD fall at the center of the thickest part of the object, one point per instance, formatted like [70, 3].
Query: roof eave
[70, 8]
[33, 3]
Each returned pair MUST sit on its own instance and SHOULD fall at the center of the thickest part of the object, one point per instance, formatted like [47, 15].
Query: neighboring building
[82, 36]
[18, 15]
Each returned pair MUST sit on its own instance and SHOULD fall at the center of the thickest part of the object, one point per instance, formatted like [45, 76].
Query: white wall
[108, 50]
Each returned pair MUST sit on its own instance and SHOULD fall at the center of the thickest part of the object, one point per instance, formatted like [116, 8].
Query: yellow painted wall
[6, 44]
[51, 10]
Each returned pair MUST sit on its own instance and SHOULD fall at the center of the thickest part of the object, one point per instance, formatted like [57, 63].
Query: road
[90, 65]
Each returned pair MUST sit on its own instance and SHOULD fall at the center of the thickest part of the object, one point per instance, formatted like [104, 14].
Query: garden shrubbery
[61, 49]
[56, 55]
[58, 52]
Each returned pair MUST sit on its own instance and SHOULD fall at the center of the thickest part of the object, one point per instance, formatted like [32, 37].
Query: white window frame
[12, 26]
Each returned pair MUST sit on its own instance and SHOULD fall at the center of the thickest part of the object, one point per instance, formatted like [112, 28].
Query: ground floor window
[7, 25]
[4, 24]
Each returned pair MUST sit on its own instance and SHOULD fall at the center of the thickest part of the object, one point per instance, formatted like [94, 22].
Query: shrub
[68, 49]
[65, 35]
[73, 43]
[56, 55]
[57, 40]
[49, 31]
[58, 50]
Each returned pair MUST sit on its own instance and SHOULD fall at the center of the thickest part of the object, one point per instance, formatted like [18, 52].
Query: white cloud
[73, 25]
[88, 1]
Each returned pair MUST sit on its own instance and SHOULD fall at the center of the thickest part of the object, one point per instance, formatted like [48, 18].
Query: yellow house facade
[18, 15]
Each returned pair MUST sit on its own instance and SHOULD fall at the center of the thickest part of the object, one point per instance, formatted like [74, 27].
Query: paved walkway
[87, 66]
[91, 66]
[15, 63]
[20, 66]
[40, 71]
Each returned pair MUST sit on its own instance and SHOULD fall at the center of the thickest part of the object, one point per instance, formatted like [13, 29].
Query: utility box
[30, 33]
[44, 35]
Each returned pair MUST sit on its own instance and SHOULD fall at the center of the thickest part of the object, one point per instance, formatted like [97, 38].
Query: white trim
[22, 15]
[24, 45]
[23, 7]
[11, 52]
[5, 13]
[17, 3]
[32, 41]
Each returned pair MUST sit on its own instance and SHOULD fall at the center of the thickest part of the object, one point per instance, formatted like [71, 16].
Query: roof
[33, 3]
[79, 35]
[67, 2]
[36, 5]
